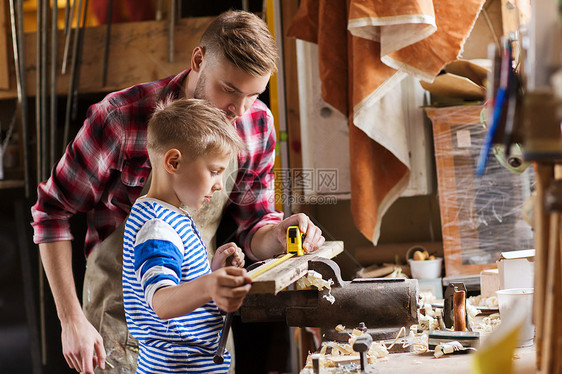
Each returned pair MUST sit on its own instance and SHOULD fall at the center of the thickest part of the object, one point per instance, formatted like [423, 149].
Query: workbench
[408, 363]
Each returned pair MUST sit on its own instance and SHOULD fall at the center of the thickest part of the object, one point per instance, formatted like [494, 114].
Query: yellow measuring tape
[273, 263]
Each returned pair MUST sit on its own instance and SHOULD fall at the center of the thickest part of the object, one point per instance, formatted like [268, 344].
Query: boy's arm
[226, 287]
[158, 257]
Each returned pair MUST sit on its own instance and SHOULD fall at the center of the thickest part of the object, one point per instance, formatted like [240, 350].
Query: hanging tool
[107, 39]
[513, 90]
[498, 108]
[73, 81]
[68, 32]
[77, 62]
[66, 17]
[44, 96]
[294, 247]
[173, 8]
[38, 92]
[54, 53]
[16, 18]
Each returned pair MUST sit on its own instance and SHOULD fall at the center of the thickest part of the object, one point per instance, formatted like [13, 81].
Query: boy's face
[197, 180]
[228, 87]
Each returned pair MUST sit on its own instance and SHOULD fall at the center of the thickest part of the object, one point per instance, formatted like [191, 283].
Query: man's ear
[172, 160]
[197, 58]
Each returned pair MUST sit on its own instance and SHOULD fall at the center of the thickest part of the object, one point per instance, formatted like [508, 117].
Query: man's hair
[194, 127]
[243, 39]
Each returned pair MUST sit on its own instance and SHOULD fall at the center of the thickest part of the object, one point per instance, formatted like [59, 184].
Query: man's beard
[199, 92]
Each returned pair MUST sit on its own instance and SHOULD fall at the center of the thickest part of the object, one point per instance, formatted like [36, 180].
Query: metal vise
[384, 305]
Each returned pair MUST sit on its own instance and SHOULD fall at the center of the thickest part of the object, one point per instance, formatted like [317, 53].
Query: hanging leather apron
[102, 299]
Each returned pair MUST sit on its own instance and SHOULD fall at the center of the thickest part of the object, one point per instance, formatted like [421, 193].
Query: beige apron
[102, 298]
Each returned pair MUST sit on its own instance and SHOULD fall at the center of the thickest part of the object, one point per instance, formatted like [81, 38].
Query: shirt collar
[174, 86]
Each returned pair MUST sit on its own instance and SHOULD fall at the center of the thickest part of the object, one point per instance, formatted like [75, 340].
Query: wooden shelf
[11, 183]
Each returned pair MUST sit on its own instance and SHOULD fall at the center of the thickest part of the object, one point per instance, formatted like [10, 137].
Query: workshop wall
[411, 219]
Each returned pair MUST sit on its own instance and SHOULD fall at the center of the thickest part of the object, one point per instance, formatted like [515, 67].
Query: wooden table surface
[411, 363]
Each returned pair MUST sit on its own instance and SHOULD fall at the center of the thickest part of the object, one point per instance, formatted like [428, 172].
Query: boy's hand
[227, 255]
[229, 286]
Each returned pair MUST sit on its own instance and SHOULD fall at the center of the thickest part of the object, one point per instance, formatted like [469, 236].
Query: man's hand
[313, 239]
[228, 255]
[79, 342]
[228, 287]
[271, 240]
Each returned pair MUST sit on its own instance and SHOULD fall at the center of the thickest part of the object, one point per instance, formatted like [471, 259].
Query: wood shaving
[447, 348]
[487, 324]
[314, 279]
[337, 354]
[427, 297]
[487, 302]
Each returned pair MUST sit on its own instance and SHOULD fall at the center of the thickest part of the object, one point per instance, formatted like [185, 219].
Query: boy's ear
[197, 58]
[172, 160]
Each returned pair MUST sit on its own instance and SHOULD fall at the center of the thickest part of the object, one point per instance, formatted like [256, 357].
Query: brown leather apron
[102, 298]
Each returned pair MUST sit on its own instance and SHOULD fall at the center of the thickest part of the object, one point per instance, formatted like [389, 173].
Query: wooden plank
[289, 9]
[138, 53]
[544, 176]
[5, 45]
[289, 271]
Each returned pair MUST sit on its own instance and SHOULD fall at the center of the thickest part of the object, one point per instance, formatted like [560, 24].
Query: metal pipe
[38, 107]
[107, 39]
[43, 100]
[66, 17]
[77, 62]
[71, 80]
[20, 86]
[68, 32]
[54, 53]
[171, 31]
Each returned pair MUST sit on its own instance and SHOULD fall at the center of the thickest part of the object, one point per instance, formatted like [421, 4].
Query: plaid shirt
[104, 169]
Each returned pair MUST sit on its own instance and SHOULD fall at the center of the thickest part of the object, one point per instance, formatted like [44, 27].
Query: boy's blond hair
[194, 127]
[243, 39]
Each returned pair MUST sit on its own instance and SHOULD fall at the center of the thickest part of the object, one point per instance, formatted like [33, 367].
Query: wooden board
[138, 53]
[289, 271]
[4, 45]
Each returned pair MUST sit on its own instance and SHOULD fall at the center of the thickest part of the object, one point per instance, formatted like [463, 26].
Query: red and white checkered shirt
[105, 168]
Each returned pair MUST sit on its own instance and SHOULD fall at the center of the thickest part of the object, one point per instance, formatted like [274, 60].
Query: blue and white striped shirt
[162, 247]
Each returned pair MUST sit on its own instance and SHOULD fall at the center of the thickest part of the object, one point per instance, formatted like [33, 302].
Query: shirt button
[142, 180]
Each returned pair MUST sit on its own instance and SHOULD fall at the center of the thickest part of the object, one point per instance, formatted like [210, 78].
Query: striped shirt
[104, 169]
[161, 248]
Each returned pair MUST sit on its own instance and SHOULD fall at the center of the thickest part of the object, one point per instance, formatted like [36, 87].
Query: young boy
[171, 294]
